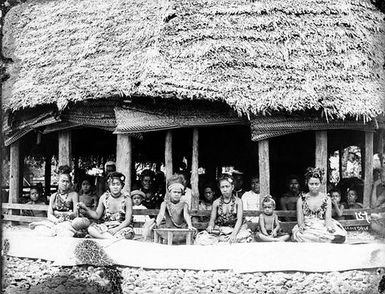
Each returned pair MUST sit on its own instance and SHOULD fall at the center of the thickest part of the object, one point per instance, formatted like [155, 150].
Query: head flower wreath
[226, 177]
[314, 172]
[116, 175]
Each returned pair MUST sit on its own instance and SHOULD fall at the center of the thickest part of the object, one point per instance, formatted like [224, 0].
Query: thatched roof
[257, 56]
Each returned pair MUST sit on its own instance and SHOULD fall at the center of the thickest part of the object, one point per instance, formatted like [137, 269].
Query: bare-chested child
[173, 212]
[269, 224]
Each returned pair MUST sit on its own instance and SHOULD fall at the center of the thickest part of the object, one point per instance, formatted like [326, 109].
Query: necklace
[63, 195]
[116, 195]
[226, 202]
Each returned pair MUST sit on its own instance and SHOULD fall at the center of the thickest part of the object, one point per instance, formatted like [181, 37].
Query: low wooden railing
[12, 212]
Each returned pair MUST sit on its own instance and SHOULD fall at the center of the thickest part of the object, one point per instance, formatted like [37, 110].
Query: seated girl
[35, 199]
[227, 214]
[62, 209]
[337, 206]
[114, 209]
[87, 194]
[269, 223]
[315, 223]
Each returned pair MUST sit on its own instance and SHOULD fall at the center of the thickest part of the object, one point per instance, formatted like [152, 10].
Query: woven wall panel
[135, 120]
[263, 128]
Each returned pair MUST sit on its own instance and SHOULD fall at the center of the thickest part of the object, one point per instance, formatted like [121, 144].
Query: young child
[251, 201]
[35, 199]
[337, 206]
[269, 223]
[352, 198]
[137, 197]
[115, 210]
[173, 212]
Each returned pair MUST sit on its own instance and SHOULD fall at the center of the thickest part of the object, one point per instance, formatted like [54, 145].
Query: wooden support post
[194, 170]
[380, 146]
[124, 158]
[168, 155]
[321, 155]
[47, 175]
[264, 168]
[15, 185]
[368, 175]
[65, 148]
[340, 152]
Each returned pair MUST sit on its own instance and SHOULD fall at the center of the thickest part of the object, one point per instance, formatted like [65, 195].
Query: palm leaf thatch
[257, 56]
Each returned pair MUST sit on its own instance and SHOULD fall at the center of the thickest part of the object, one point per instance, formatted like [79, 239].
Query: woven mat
[251, 257]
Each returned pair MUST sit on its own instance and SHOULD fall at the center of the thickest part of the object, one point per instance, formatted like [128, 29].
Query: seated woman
[377, 223]
[62, 209]
[315, 223]
[114, 209]
[227, 214]
[289, 199]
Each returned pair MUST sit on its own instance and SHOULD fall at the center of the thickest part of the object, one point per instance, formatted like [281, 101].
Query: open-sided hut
[277, 68]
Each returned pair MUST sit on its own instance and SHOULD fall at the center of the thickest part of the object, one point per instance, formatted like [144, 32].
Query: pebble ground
[22, 275]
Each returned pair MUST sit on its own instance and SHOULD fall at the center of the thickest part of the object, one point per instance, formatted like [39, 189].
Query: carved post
[368, 175]
[65, 148]
[264, 168]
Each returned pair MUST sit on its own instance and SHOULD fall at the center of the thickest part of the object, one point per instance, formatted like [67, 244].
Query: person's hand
[301, 228]
[334, 202]
[209, 229]
[190, 227]
[274, 233]
[113, 231]
[233, 237]
[81, 205]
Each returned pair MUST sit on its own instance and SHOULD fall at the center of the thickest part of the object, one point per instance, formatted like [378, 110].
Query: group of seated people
[111, 216]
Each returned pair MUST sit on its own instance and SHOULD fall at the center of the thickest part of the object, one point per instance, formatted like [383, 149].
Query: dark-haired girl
[315, 223]
[114, 209]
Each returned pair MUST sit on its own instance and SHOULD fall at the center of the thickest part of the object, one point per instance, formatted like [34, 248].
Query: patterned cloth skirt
[125, 233]
[223, 235]
[315, 231]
